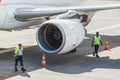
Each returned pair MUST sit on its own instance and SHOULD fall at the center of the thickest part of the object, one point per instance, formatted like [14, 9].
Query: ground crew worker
[19, 57]
[96, 43]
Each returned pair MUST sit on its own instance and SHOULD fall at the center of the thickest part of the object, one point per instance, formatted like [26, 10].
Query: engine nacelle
[60, 35]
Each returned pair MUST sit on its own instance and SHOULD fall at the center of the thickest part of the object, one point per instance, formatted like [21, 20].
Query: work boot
[93, 53]
[23, 69]
[97, 56]
[16, 69]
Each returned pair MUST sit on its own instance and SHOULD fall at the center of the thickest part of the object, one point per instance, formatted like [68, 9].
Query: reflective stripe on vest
[16, 50]
[96, 40]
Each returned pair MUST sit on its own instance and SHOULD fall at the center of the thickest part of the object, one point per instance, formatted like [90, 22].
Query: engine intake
[59, 35]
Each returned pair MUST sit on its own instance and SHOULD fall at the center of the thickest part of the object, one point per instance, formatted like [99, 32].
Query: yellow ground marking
[92, 31]
[12, 49]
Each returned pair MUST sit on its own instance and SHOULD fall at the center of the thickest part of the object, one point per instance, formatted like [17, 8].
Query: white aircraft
[63, 29]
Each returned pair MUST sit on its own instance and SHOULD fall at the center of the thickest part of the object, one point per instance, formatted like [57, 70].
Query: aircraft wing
[27, 13]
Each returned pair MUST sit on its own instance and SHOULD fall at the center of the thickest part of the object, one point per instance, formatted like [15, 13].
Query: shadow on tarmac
[81, 63]
[70, 63]
[31, 62]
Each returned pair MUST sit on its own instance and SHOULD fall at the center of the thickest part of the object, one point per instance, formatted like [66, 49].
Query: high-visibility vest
[16, 51]
[96, 40]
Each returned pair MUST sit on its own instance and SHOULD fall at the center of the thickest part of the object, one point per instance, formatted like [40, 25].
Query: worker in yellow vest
[96, 43]
[19, 57]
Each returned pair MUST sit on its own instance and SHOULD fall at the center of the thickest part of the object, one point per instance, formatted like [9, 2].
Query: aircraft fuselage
[7, 8]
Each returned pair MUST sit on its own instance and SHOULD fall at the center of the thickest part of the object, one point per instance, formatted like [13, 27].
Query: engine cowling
[60, 35]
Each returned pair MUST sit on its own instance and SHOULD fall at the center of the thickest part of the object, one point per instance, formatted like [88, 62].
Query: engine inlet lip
[42, 44]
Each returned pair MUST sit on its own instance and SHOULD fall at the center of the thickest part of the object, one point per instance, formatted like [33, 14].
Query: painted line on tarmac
[12, 49]
[102, 29]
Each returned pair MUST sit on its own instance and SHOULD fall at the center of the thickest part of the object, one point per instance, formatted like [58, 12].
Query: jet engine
[60, 36]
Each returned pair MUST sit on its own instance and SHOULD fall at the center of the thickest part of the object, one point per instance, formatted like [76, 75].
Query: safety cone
[43, 60]
[106, 45]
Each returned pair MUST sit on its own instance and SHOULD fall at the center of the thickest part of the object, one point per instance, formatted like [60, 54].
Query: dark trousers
[19, 58]
[96, 48]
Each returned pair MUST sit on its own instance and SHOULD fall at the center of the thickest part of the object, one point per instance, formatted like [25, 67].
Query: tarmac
[80, 65]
